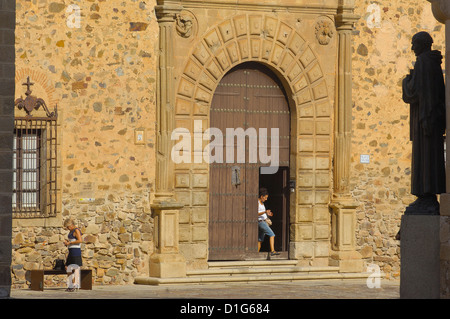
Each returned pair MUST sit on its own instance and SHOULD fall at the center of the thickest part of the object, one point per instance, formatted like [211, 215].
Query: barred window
[34, 167]
[35, 158]
[26, 169]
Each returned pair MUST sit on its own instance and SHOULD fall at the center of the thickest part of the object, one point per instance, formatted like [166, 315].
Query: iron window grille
[34, 160]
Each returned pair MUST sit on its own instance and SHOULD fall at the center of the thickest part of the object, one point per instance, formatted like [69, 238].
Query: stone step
[253, 271]
[259, 268]
[251, 263]
[248, 278]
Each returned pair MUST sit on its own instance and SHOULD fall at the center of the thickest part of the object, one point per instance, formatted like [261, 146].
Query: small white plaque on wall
[139, 136]
[365, 159]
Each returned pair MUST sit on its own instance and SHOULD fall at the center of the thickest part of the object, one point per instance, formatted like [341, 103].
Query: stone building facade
[95, 60]
[124, 75]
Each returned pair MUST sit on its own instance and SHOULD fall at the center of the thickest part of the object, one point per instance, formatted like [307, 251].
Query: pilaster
[343, 206]
[166, 261]
[165, 116]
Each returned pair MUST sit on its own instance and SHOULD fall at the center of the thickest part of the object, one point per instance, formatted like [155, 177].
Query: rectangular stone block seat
[37, 278]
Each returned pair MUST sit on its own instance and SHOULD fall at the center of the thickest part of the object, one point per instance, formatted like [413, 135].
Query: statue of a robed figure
[424, 90]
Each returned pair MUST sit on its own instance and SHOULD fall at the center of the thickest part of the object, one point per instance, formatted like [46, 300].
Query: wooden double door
[249, 98]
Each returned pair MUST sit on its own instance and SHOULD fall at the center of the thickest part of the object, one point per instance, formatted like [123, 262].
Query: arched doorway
[248, 100]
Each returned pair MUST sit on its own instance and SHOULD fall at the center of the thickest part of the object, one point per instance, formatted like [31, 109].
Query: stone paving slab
[230, 300]
[320, 289]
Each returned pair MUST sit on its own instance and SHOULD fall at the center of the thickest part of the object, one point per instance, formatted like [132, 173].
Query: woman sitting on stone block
[74, 260]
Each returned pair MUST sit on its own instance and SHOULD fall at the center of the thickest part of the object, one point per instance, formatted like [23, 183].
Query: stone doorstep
[263, 270]
[249, 278]
[254, 271]
[266, 270]
[251, 263]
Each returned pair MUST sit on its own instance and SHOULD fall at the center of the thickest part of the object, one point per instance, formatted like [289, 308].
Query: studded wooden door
[247, 99]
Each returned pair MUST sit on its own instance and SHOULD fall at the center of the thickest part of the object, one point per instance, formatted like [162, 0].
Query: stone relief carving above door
[252, 37]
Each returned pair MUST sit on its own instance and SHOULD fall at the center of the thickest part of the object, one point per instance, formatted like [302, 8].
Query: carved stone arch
[250, 37]
[263, 38]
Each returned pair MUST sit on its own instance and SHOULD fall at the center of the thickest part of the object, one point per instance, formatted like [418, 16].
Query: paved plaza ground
[229, 300]
[330, 289]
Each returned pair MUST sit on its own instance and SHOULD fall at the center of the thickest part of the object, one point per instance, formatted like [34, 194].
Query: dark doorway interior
[278, 202]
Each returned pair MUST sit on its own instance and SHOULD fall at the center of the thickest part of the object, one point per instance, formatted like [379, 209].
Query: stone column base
[343, 221]
[347, 261]
[419, 252]
[167, 266]
[166, 261]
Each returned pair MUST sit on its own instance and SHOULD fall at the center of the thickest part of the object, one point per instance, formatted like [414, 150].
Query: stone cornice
[345, 21]
[304, 6]
[167, 12]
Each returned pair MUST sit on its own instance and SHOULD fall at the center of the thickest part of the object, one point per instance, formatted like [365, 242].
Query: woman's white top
[261, 208]
[78, 245]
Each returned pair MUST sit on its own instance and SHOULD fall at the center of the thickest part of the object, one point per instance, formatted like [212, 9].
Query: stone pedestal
[166, 262]
[343, 223]
[419, 252]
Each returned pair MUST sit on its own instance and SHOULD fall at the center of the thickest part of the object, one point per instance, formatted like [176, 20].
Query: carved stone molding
[167, 13]
[185, 24]
[324, 31]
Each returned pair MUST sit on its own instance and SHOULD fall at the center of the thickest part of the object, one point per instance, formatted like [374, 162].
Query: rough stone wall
[382, 58]
[97, 60]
